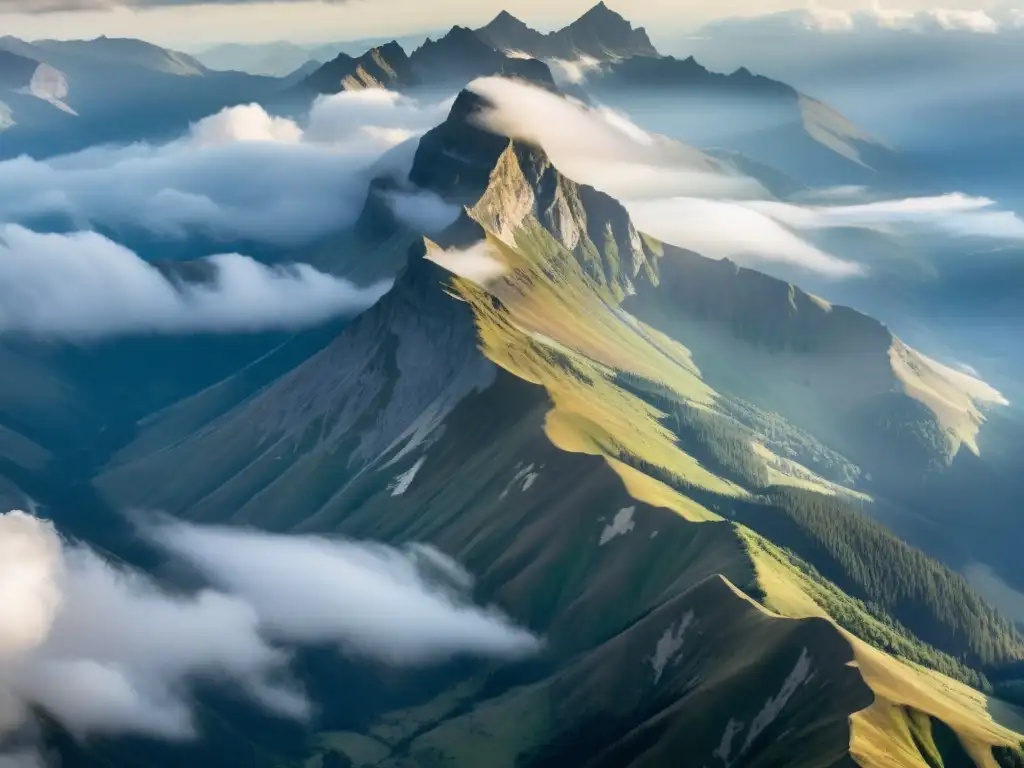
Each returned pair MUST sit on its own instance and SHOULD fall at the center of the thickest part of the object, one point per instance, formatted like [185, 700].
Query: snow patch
[732, 729]
[668, 647]
[622, 524]
[773, 707]
[529, 480]
[524, 474]
[402, 482]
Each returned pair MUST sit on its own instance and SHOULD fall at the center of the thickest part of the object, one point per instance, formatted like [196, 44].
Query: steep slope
[461, 56]
[829, 369]
[767, 120]
[125, 52]
[449, 63]
[384, 67]
[122, 90]
[600, 34]
[480, 406]
[32, 93]
[15, 71]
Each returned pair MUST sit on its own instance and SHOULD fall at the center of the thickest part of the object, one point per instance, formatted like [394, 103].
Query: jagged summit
[510, 33]
[601, 12]
[455, 59]
[386, 66]
[667, 71]
[506, 18]
[600, 33]
[510, 188]
[462, 55]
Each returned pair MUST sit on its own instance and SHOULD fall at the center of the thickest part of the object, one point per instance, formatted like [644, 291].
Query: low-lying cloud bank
[878, 19]
[83, 286]
[371, 599]
[241, 174]
[104, 649]
[690, 199]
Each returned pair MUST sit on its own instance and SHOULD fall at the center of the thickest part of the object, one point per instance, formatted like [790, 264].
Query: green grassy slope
[502, 421]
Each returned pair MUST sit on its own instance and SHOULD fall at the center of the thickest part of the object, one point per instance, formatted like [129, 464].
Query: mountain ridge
[765, 119]
[600, 33]
[537, 395]
[455, 59]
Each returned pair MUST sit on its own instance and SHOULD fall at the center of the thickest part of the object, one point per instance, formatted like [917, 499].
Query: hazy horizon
[194, 26]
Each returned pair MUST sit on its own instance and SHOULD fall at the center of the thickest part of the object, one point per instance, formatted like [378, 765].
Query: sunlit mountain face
[506, 395]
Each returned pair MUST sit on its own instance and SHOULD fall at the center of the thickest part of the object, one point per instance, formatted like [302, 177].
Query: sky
[191, 27]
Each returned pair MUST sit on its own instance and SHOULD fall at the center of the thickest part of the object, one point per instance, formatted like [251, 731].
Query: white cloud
[241, 174]
[728, 229]
[372, 114]
[686, 198]
[370, 599]
[573, 72]
[244, 123]
[83, 285]
[110, 651]
[421, 210]
[104, 649]
[671, 191]
[878, 17]
[479, 263]
[602, 147]
[955, 214]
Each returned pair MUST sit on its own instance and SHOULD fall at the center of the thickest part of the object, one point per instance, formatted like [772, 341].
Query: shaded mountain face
[768, 121]
[15, 71]
[600, 34]
[32, 94]
[536, 397]
[384, 67]
[277, 59]
[121, 90]
[123, 51]
[448, 63]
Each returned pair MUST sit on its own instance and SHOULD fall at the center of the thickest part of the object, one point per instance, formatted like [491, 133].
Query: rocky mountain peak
[604, 31]
[509, 186]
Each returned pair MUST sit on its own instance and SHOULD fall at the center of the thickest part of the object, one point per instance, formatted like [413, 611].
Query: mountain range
[634, 448]
[600, 33]
[282, 58]
[452, 61]
[736, 513]
[608, 61]
[161, 91]
[66, 103]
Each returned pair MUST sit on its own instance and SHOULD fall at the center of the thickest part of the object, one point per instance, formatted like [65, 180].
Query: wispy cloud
[239, 175]
[727, 229]
[105, 649]
[877, 18]
[953, 214]
[479, 263]
[82, 286]
[687, 198]
[602, 147]
[373, 600]
[673, 192]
